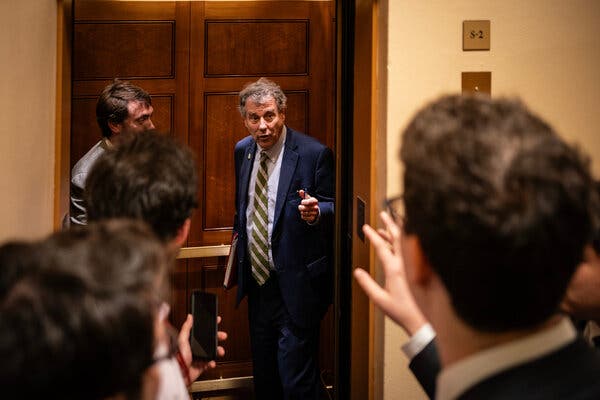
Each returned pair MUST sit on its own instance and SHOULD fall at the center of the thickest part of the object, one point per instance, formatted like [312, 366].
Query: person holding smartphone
[119, 186]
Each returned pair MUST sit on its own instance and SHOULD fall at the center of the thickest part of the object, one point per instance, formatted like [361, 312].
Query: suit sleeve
[77, 205]
[425, 366]
[325, 186]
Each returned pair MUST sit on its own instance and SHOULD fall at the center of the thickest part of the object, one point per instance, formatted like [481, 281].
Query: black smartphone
[203, 338]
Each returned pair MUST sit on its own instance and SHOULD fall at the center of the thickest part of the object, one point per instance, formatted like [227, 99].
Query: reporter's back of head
[82, 324]
[501, 206]
[152, 178]
[17, 258]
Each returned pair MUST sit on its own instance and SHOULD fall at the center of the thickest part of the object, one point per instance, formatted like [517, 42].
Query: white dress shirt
[418, 341]
[172, 384]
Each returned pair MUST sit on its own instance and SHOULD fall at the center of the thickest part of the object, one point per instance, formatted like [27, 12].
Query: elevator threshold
[216, 385]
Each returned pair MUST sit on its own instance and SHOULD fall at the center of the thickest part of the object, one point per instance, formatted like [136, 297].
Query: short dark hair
[81, 325]
[260, 91]
[501, 206]
[113, 101]
[17, 259]
[152, 177]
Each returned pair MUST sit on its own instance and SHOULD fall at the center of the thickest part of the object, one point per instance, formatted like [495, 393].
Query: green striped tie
[259, 247]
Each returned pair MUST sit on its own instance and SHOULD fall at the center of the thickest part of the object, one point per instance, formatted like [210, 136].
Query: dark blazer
[425, 366]
[571, 372]
[302, 253]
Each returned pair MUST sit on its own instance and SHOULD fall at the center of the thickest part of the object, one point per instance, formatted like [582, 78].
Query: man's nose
[263, 124]
[150, 124]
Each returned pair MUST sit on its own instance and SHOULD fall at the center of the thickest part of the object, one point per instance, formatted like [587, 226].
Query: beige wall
[545, 51]
[27, 108]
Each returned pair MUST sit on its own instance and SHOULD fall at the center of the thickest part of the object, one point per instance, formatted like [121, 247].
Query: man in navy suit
[284, 221]
[497, 212]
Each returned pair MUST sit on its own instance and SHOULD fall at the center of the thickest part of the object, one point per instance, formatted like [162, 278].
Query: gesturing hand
[309, 207]
[394, 298]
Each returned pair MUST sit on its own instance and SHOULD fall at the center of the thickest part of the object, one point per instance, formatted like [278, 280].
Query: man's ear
[115, 128]
[182, 233]
[420, 269]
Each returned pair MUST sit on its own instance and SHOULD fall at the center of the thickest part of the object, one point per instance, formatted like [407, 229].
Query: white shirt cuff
[418, 341]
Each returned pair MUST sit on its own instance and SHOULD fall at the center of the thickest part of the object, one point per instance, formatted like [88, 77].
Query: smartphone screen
[203, 338]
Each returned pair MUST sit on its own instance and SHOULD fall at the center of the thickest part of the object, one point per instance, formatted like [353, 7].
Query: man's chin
[266, 143]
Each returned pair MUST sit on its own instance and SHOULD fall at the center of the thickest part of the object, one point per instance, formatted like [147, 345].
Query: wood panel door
[145, 43]
[193, 58]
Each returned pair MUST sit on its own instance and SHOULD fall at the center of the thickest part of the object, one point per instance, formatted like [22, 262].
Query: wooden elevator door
[193, 58]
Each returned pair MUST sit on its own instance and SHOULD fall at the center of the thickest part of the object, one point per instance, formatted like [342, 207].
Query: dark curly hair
[81, 324]
[152, 177]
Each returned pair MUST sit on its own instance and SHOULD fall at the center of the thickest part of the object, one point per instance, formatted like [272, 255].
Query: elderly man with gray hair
[284, 222]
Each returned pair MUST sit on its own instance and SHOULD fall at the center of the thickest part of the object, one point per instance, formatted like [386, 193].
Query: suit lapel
[245, 179]
[288, 168]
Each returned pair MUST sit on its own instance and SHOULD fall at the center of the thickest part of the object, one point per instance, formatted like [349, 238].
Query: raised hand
[394, 298]
[309, 207]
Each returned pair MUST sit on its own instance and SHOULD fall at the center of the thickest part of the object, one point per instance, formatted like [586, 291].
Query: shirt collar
[458, 377]
[274, 152]
[106, 143]
[591, 333]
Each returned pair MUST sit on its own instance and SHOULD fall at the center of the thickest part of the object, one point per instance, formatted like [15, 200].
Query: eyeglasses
[395, 207]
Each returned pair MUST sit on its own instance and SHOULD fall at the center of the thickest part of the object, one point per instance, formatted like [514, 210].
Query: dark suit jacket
[302, 253]
[571, 372]
[426, 366]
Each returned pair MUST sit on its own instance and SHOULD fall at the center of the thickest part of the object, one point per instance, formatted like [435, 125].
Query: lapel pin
[249, 156]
